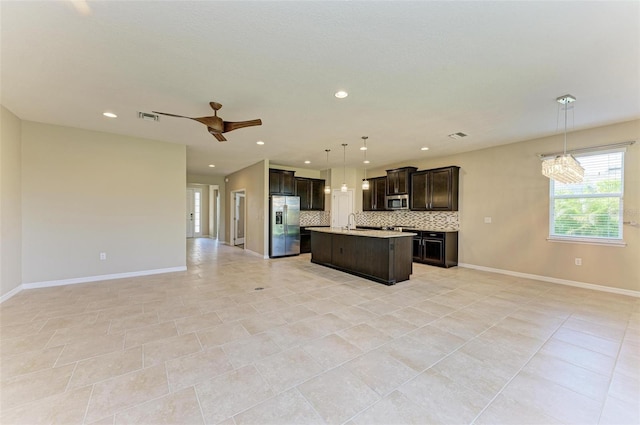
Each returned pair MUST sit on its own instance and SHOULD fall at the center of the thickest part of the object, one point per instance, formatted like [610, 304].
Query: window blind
[591, 209]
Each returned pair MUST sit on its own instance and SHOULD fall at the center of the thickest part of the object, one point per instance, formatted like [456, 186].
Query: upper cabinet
[399, 180]
[281, 182]
[435, 190]
[373, 199]
[311, 193]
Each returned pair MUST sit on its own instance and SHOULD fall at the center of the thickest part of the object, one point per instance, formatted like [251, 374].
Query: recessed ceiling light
[259, 142]
[211, 165]
[363, 148]
[307, 162]
[341, 94]
[366, 161]
[110, 115]
[424, 148]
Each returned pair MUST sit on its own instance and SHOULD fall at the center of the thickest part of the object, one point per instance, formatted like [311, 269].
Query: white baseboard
[256, 254]
[49, 283]
[584, 285]
[10, 294]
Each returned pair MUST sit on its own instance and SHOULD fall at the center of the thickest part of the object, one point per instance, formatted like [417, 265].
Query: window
[590, 211]
[196, 208]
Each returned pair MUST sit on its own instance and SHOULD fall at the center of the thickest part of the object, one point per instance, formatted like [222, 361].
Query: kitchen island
[381, 256]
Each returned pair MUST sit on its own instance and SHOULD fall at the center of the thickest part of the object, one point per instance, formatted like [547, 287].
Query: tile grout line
[613, 371]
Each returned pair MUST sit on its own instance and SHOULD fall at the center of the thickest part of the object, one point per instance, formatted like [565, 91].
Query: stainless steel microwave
[397, 202]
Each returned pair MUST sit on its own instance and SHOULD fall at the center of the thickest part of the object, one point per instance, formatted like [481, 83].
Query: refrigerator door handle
[285, 218]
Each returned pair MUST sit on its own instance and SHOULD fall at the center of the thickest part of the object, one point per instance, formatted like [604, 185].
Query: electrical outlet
[487, 220]
[103, 256]
[578, 261]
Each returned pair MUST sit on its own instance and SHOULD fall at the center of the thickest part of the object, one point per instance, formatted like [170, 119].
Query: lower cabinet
[436, 248]
[305, 241]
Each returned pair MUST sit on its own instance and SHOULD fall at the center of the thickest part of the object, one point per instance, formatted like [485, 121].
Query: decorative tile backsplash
[429, 220]
[314, 218]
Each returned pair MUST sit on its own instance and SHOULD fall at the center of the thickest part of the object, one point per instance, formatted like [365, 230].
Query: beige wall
[10, 202]
[254, 180]
[505, 183]
[86, 192]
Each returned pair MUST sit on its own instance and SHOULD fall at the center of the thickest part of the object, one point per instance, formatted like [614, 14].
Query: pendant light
[365, 182]
[564, 168]
[343, 188]
[327, 188]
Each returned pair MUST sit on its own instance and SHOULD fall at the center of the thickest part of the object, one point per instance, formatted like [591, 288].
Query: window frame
[609, 241]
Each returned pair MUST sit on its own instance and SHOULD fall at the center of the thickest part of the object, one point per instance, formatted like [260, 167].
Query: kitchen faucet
[349, 221]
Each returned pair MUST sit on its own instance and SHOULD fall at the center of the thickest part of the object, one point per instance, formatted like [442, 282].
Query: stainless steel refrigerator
[284, 226]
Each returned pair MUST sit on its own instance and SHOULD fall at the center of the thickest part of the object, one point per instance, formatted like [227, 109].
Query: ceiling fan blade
[216, 134]
[171, 115]
[230, 126]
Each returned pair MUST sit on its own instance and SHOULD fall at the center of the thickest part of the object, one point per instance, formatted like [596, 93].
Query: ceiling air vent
[457, 136]
[148, 117]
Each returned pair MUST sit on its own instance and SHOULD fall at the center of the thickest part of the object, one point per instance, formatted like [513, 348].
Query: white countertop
[362, 232]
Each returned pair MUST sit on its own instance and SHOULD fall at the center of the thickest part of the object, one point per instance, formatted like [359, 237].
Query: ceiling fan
[215, 124]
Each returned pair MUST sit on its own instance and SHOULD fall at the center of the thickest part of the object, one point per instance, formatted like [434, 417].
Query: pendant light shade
[563, 168]
[327, 188]
[365, 182]
[343, 188]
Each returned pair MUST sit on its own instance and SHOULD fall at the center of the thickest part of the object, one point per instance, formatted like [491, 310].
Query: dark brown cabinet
[311, 193]
[321, 247]
[399, 180]
[305, 240]
[384, 260]
[435, 190]
[344, 251]
[436, 248]
[373, 199]
[281, 182]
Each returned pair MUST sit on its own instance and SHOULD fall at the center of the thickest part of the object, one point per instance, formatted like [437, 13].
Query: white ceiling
[415, 72]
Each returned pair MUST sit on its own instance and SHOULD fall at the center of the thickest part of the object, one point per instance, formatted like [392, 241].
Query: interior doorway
[194, 213]
[341, 207]
[238, 218]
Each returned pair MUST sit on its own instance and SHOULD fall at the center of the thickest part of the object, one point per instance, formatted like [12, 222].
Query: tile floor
[315, 346]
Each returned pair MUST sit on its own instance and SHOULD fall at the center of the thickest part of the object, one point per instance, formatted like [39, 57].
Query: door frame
[191, 232]
[189, 208]
[232, 216]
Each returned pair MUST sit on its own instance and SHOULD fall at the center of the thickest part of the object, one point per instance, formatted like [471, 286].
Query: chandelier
[563, 168]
